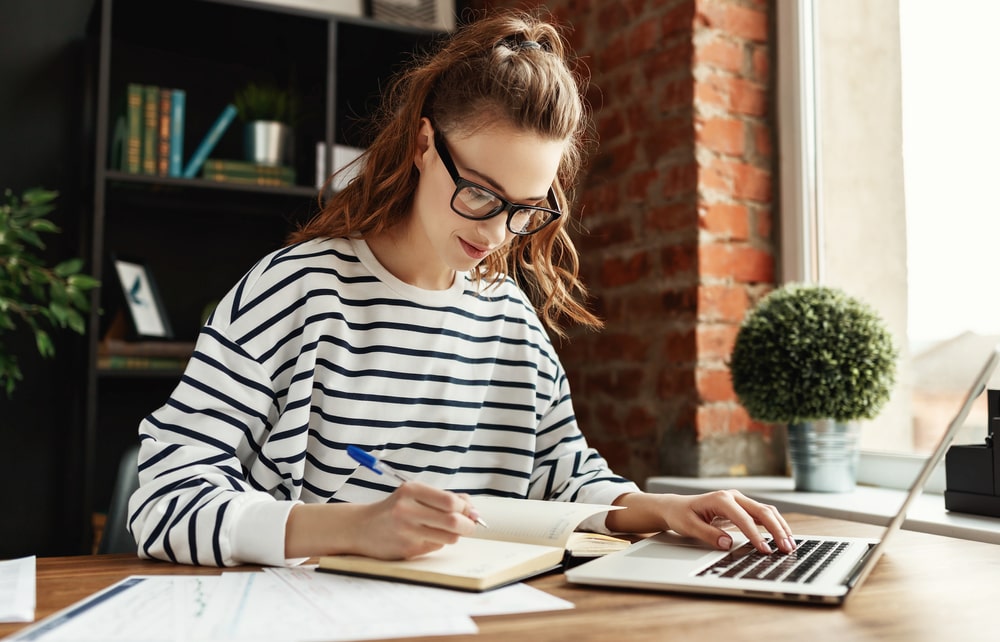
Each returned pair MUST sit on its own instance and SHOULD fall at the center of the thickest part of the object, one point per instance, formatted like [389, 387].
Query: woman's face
[517, 165]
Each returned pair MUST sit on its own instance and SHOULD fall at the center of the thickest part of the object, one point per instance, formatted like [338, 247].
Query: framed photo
[142, 299]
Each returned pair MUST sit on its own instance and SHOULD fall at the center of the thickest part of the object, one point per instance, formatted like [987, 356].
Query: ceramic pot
[267, 142]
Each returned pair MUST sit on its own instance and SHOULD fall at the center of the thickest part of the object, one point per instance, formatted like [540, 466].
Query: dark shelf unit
[198, 236]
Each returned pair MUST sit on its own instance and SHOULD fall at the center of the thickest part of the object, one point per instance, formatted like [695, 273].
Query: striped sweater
[319, 347]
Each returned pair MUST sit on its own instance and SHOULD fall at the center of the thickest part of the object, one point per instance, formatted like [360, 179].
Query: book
[178, 98]
[246, 172]
[150, 127]
[210, 140]
[525, 538]
[121, 362]
[164, 114]
[133, 122]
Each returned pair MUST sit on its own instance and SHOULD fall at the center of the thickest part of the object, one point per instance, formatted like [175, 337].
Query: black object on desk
[972, 472]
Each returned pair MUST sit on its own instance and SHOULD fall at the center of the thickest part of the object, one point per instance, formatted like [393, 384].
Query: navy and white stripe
[319, 347]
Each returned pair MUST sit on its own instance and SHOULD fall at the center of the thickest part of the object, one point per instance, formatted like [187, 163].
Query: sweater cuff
[259, 533]
[606, 494]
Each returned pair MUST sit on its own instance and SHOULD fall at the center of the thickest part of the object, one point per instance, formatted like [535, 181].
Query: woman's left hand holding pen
[414, 520]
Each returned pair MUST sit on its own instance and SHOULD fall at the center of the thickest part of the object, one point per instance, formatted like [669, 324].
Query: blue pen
[372, 463]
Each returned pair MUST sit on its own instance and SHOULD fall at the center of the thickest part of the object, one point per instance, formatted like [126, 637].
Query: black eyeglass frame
[505, 206]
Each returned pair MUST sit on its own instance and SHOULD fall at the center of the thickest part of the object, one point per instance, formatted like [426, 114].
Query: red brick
[715, 341]
[714, 386]
[671, 60]
[725, 220]
[761, 63]
[679, 260]
[720, 54]
[616, 346]
[677, 94]
[707, 94]
[752, 183]
[741, 263]
[762, 143]
[680, 180]
[723, 135]
[748, 97]
[610, 125]
[676, 380]
[679, 346]
[763, 227]
[640, 186]
[640, 424]
[672, 217]
[618, 271]
[679, 19]
[722, 303]
[667, 136]
[742, 22]
[643, 38]
[607, 234]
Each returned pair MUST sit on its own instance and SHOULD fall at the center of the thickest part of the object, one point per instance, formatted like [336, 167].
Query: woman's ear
[425, 134]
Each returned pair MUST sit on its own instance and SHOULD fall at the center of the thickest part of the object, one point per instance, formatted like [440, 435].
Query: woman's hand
[697, 516]
[415, 519]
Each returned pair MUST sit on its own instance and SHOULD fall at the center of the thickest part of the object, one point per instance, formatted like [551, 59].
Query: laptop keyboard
[803, 565]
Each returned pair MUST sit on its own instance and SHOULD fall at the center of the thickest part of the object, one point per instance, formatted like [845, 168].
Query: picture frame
[146, 312]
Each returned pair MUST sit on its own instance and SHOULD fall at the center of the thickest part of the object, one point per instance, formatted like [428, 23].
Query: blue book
[208, 143]
[176, 167]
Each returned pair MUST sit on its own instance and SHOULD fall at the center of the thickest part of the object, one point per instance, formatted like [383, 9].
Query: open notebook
[822, 570]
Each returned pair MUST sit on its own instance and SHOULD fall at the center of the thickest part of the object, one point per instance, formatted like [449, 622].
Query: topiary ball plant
[809, 352]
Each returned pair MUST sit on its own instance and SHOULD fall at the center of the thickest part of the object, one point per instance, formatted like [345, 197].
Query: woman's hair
[481, 74]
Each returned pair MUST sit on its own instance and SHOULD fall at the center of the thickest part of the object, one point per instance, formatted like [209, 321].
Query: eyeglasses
[473, 201]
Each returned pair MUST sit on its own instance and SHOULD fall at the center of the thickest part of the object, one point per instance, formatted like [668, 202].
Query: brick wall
[677, 238]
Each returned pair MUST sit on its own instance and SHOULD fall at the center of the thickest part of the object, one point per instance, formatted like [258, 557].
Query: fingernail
[788, 544]
[725, 542]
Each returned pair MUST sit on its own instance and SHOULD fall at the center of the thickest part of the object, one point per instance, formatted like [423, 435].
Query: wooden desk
[926, 587]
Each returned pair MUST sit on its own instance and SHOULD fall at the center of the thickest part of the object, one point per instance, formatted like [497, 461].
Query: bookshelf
[199, 236]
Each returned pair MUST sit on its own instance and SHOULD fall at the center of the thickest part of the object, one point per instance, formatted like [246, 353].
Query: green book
[245, 172]
[133, 123]
[150, 128]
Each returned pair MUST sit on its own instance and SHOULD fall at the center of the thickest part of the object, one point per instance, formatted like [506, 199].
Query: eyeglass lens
[478, 203]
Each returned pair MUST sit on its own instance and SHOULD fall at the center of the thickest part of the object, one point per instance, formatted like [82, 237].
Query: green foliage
[32, 293]
[811, 352]
[264, 102]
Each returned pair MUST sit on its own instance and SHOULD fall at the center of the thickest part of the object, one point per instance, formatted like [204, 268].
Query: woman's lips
[473, 251]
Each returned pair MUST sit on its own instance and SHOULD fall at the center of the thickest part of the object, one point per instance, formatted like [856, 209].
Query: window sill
[866, 504]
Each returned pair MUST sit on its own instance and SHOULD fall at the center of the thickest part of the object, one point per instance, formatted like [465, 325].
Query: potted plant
[267, 113]
[31, 292]
[814, 358]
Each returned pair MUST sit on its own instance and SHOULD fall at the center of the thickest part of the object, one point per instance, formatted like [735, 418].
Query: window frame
[800, 207]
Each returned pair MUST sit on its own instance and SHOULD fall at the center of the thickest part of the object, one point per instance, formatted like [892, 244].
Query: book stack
[118, 354]
[245, 172]
[149, 135]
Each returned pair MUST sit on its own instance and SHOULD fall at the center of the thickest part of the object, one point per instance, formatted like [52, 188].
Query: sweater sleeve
[197, 502]
[567, 468]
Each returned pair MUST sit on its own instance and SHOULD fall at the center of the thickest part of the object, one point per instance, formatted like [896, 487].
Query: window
[888, 132]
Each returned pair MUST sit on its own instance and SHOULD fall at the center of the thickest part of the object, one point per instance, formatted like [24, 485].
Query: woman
[408, 319]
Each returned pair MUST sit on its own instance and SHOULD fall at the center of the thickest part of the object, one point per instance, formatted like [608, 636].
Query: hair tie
[514, 44]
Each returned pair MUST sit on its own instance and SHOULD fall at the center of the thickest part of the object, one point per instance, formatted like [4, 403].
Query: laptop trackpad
[668, 546]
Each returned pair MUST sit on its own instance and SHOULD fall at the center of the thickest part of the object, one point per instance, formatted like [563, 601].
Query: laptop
[822, 570]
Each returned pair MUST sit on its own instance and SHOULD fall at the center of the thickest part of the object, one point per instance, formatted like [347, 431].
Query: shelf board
[201, 183]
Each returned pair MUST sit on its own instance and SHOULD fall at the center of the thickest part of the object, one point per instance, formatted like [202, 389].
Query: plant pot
[267, 142]
[824, 455]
